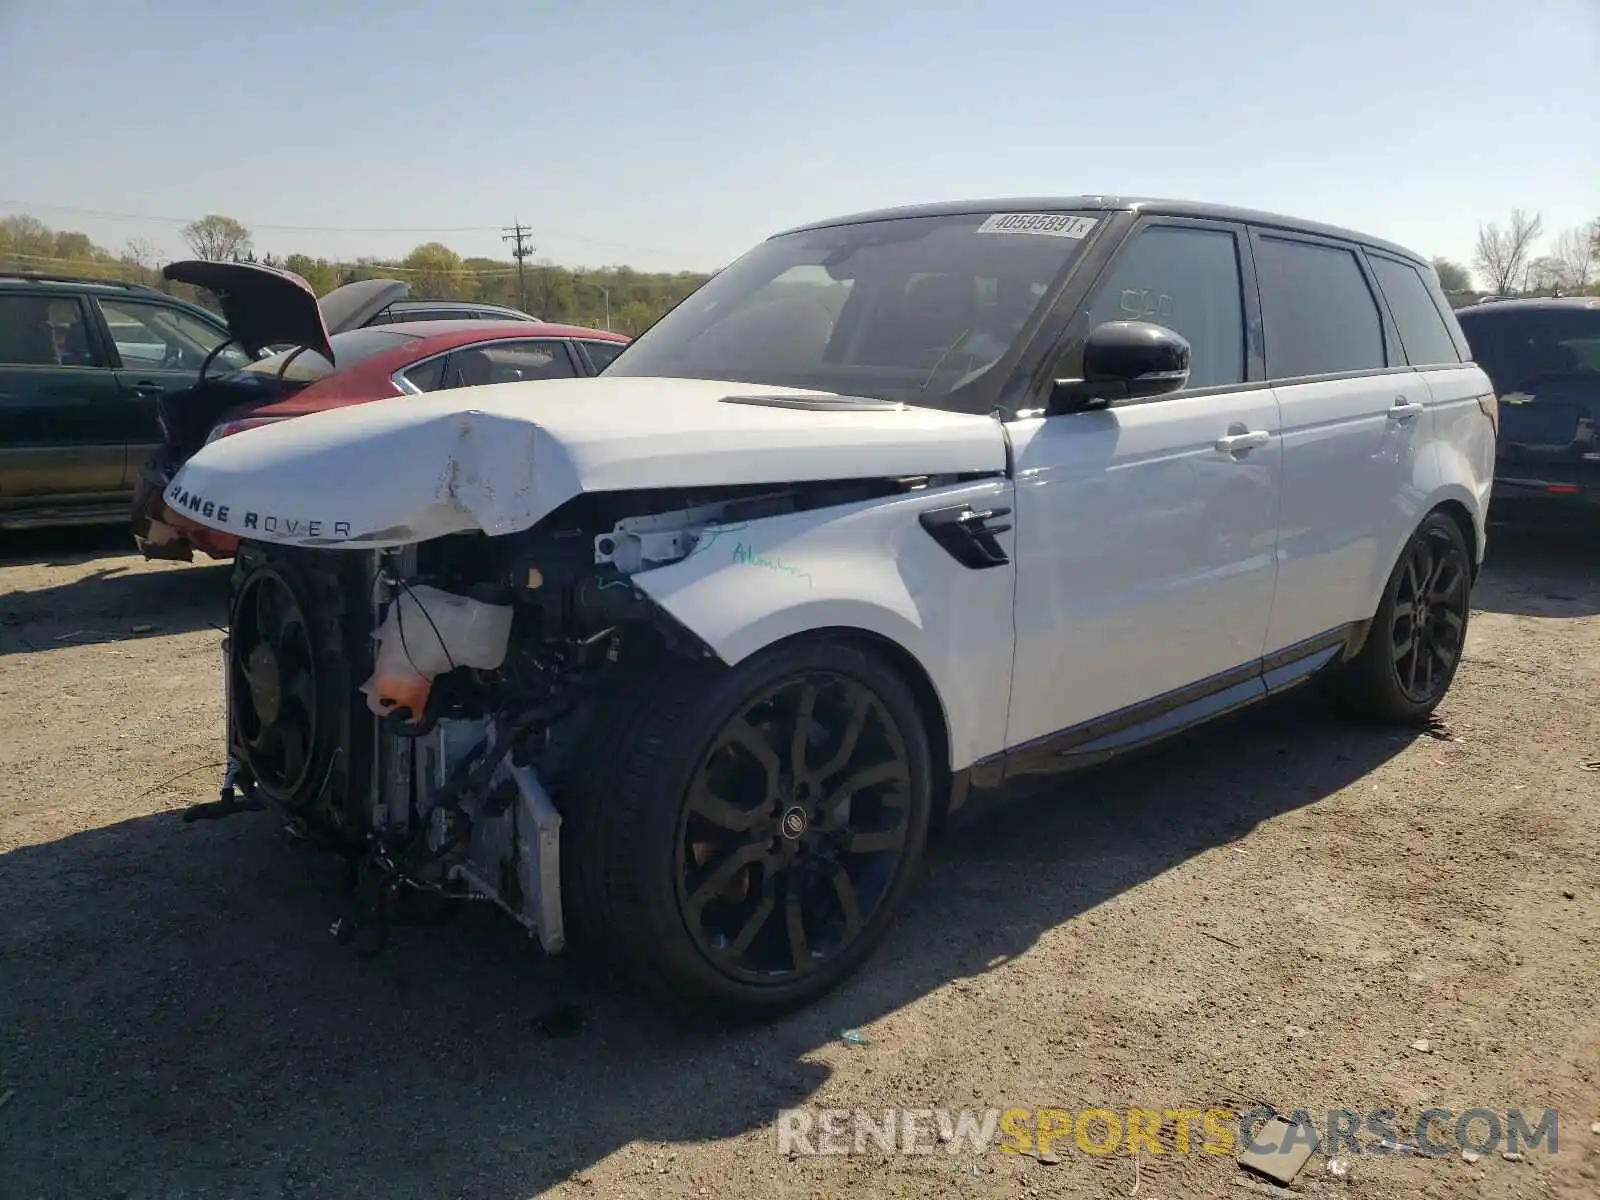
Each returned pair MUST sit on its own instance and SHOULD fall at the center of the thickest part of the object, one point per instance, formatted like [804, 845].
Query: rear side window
[1423, 331]
[508, 362]
[1319, 314]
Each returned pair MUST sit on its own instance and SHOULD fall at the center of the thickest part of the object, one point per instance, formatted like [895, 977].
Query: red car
[265, 307]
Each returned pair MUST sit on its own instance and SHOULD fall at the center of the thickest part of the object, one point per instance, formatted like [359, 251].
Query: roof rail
[55, 277]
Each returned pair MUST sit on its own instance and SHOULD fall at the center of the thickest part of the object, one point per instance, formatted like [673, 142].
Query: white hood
[499, 458]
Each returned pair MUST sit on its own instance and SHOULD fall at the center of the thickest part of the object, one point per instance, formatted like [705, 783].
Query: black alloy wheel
[793, 829]
[738, 840]
[1416, 639]
[1429, 615]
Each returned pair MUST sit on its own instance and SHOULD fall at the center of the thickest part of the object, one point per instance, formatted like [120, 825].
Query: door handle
[1237, 443]
[1403, 409]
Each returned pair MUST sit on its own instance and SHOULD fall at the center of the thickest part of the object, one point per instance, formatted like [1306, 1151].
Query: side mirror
[1124, 360]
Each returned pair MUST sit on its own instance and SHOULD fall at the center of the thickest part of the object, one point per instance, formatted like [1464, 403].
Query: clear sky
[673, 135]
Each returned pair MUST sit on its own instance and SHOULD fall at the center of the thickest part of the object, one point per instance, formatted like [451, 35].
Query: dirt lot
[1270, 912]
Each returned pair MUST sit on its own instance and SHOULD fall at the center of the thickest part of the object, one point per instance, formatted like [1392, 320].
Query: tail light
[232, 427]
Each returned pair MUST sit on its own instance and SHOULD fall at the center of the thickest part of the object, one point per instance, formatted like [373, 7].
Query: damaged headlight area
[422, 708]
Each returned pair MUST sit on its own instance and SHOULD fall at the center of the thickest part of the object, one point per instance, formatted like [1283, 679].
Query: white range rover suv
[686, 660]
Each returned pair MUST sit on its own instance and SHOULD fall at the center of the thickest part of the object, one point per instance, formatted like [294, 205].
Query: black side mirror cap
[1124, 360]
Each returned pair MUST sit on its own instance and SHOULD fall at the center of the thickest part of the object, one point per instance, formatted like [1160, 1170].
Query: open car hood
[497, 459]
[266, 306]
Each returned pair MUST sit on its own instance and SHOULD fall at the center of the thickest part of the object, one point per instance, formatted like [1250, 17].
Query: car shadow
[1541, 570]
[112, 604]
[179, 1020]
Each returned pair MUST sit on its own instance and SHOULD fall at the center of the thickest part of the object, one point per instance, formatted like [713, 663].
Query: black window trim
[1389, 335]
[1067, 354]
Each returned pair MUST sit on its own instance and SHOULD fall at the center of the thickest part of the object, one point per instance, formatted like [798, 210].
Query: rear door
[157, 348]
[1544, 362]
[1354, 418]
[61, 420]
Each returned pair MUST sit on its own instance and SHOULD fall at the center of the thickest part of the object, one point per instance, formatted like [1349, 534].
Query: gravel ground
[1272, 911]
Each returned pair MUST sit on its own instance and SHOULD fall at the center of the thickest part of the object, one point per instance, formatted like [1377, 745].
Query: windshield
[914, 308]
[349, 348]
[1516, 348]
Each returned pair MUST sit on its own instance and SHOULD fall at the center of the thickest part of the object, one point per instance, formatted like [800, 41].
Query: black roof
[87, 281]
[1530, 304]
[1174, 208]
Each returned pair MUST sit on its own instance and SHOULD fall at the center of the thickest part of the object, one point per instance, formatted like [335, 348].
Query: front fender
[871, 567]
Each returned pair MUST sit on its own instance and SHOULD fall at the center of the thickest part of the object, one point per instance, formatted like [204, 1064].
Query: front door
[61, 436]
[1146, 532]
[159, 348]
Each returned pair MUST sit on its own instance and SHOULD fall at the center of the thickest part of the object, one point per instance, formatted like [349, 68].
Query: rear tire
[715, 867]
[1419, 633]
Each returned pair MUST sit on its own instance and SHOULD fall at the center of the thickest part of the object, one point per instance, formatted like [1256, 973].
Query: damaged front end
[421, 708]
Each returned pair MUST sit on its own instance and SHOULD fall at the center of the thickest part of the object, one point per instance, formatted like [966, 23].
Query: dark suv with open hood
[84, 364]
[1544, 358]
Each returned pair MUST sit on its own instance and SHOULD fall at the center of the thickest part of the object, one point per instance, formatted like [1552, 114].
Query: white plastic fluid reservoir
[425, 633]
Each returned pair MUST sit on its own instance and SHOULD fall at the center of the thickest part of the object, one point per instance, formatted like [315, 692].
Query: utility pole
[516, 233]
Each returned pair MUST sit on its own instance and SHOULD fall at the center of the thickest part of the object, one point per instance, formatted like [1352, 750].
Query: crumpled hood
[499, 458]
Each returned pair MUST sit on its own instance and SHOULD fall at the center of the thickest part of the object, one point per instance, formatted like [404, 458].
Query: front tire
[1419, 633]
[740, 840]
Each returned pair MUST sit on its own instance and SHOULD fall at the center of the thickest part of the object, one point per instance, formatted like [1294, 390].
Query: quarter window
[426, 376]
[1319, 314]
[602, 354]
[1422, 329]
[1187, 279]
[44, 331]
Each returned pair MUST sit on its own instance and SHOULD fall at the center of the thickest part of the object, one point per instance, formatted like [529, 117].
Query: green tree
[321, 274]
[434, 272]
[216, 237]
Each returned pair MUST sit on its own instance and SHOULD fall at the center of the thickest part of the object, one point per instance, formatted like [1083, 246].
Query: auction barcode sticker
[1048, 224]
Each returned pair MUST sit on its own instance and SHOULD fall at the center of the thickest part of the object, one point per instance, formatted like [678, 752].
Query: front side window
[1518, 348]
[1187, 279]
[153, 337]
[1319, 314]
[1423, 332]
[44, 331]
[508, 362]
[917, 309]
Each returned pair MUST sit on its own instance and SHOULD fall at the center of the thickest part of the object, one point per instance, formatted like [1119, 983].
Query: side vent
[969, 534]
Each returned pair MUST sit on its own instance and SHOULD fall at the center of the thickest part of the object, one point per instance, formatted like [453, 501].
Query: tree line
[1509, 261]
[612, 297]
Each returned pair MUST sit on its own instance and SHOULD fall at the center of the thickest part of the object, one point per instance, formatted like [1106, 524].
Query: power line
[515, 233]
[108, 215]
